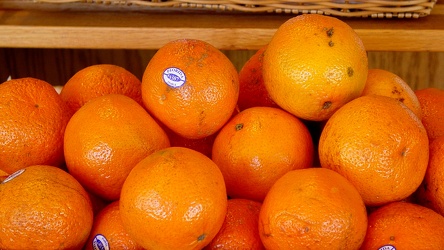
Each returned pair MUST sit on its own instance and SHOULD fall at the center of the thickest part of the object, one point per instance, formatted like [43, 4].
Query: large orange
[403, 225]
[43, 207]
[384, 82]
[32, 124]
[378, 144]
[240, 229]
[431, 193]
[191, 87]
[252, 91]
[97, 80]
[314, 208]
[432, 106]
[106, 138]
[108, 231]
[313, 65]
[259, 145]
[174, 199]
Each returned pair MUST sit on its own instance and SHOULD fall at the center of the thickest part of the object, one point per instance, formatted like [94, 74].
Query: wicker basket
[340, 8]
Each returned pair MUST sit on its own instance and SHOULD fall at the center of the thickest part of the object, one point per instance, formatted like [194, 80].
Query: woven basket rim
[340, 8]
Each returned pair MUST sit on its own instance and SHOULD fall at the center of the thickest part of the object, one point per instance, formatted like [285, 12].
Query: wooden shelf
[151, 30]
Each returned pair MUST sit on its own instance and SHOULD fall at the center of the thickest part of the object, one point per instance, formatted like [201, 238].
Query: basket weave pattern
[341, 8]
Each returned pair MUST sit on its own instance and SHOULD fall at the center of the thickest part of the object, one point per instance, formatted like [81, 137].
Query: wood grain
[134, 30]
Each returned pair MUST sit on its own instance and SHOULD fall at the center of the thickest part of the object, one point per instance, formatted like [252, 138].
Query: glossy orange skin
[106, 138]
[430, 193]
[432, 106]
[252, 91]
[240, 229]
[109, 224]
[208, 96]
[379, 145]
[314, 208]
[258, 146]
[313, 65]
[44, 208]
[174, 199]
[404, 225]
[33, 119]
[97, 80]
[386, 83]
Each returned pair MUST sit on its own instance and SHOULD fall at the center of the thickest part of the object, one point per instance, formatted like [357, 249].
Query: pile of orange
[303, 147]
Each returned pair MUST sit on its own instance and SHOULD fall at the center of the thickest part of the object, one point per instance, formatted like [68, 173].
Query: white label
[13, 175]
[174, 77]
[100, 243]
[387, 247]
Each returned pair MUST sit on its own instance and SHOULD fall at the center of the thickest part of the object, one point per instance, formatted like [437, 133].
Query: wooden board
[133, 30]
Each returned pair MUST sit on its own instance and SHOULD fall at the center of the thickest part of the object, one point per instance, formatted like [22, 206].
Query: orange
[33, 119]
[403, 225]
[384, 82]
[252, 91]
[259, 145]
[314, 208]
[379, 145]
[97, 80]
[108, 231]
[432, 106]
[106, 138]
[240, 228]
[430, 193]
[43, 207]
[313, 65]
[175, 198]
[191, 87]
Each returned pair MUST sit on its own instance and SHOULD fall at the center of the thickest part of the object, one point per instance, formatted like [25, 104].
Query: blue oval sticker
[174, 77]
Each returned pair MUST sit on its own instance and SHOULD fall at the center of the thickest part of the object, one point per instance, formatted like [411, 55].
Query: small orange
[106, 138]
[313, 208]
[384, 82]
[313, 65]
[33, 119]
[191, 87]
[431, 193]
[378, 144]
[259, 145]
[240, 229]
[43, 207]
[432, 106]
[175, 198]
[403, 225]
[108, 231]
[97, 80]
[252, 91]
